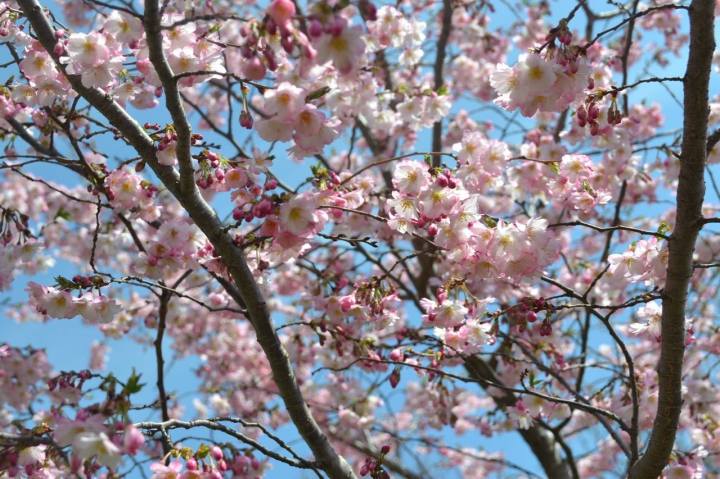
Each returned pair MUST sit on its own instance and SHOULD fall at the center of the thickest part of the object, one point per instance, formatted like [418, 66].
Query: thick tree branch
[438, 68]
[151, 21]
[206, 219]
[690, 195]
[541, 442]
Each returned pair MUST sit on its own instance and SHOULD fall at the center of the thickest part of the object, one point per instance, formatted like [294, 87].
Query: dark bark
[541, 442]
[204, 216]
[690, 195]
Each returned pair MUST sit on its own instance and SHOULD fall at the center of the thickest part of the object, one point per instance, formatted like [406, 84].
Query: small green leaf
[133, 384]
[202, 451]
[319, 93]
[64, 214]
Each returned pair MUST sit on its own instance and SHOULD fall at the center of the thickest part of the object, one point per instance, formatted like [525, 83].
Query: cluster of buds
[325, 179]
[427, 223]
[8, 18]
[13, 223]
[372, 294]
[18, 461]
[564, 54]
[614, 117]
[79, 282]
[374, 467]
[368, 10]
[263, 205]
[244, 466]
[444, 179]
[589, 113]
[561, 33]
[258, 56]
[526, 312]
[70, 379]
[256, 50]
[280, 14]
[212, 168]
[167, 135]
[333, 26]
[211, 462]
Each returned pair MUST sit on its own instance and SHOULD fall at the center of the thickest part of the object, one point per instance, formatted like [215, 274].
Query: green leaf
[319, 93]
[64, 283]
[202, 451]
[64, 214]
[489, 221]
[133, 384]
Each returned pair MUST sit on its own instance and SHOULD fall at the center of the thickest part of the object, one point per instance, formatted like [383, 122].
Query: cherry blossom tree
[387, 232]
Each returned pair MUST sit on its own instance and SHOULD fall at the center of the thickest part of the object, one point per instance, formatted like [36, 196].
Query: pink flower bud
[216, 453]
[287, 44]
[253, 69]
[315, 28]
[397, 355]
[336, 27]
[270, 59]
[133, 439]
[281, 11]
[346, 303]
[270, 184]
[246, 120]
[394, 378]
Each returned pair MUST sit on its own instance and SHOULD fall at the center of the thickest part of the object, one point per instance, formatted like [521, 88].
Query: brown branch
[153, 29]
[438, 72]
[604, 229]
[215, 425]
[690, 195]
[541, 442]
[205, 218]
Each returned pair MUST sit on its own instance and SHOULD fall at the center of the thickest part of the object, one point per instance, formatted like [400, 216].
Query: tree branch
[690, 195]
[208, 222]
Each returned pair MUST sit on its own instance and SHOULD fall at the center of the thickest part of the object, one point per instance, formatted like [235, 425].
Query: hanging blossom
[336, 40]
[394, 29]
[96, 57]
[644, 261]
[441, 208]
[291, 118]
[61, 304]
[548, 82]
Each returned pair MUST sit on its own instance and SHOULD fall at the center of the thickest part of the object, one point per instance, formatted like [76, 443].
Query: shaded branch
[690, 196]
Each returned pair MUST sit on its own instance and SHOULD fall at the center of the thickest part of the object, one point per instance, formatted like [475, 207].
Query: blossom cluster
[548, 83]
[61, 304]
